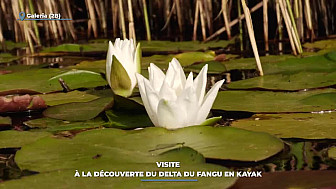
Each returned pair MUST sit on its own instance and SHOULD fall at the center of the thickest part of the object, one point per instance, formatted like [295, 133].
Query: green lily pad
[306, 126]
[55, 125]
[323, 44]
[298, 81]
[286, 64]
[15, 139]
[6, 57]
[37, 80]
[69, 48]
[186, 59]
[53, 99]
[79, 111]
[5, 121]
[119, 146]
[332, 152]
[146, 46]
[10, 45]
[214, 67]
[79, 78]
[266, 101]
[95, 66]
[123, 120]
[290, 179]
[324, 98]
[169, 46]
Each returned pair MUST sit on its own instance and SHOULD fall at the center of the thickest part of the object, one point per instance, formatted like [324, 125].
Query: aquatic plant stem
[225, 17]
[148, 32]
[234, 22]
[288, 26]
[265, 19]
[202, 19]
[240, 27]
[280, 27]
[131, 28]
[196, 21]
[298, 43]
[251, 35]
[122, 19]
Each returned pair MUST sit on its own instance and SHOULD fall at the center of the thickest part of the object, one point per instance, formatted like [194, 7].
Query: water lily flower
[122, 62]
[172, 101]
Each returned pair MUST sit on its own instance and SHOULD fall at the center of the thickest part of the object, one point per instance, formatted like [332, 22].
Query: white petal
[208, 101]
[179, 78]
[200, 84]
[187, 101]
[156, 77]
[109, 62]
[152, 115]
[167, 92]
[153, 100]
[170, 115]
[189, 82]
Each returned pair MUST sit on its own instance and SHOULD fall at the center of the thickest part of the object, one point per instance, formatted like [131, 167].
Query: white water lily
[172, 101]
[122, 62]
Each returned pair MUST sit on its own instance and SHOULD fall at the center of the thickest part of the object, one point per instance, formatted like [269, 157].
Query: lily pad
[332, 152]
[79, 78]
[298, 81]
[10, 45]
[119, 146]
[5, 121]
[79, 111]
[290, 179]
[214, 67]
[15, 139]
[6, 57]
[286, 64]
[266, 101]
[37, 80]
[95, 66]
[55, 125]
[53, 99]
[123, 120]
[306, 126]
[186, 59]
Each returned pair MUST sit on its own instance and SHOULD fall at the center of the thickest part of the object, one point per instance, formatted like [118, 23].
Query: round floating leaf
[119, 146]
[324, 98]
[78, 79]
[90, 150]
[36, 80]
[123, 120]
[55, 125]
[53, 99]
[79, 111]
[332, 152]
[5, 121]
[95, 66]
[306, 126]
[14, 139]
[302, 80]
[265, 101]
[290, 179]
[214, 67]
[186, 59]
[6, 57]
[286, 64]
